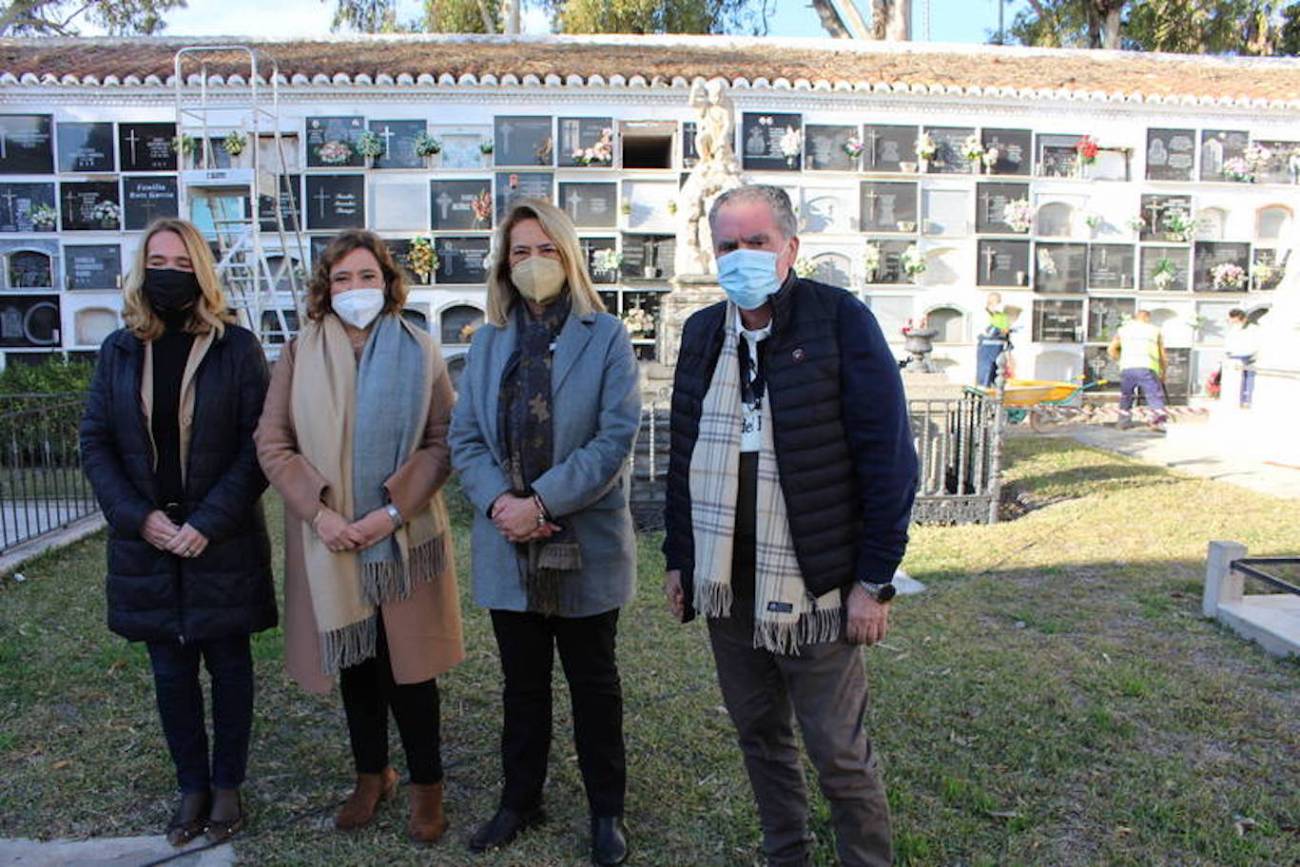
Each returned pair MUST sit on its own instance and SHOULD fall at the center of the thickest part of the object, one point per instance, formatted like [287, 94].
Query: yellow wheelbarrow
[1045, 402]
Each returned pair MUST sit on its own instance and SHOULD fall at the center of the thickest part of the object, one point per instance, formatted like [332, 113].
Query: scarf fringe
[785, 637]
[713, 598]
[348, 645]
[394, 580]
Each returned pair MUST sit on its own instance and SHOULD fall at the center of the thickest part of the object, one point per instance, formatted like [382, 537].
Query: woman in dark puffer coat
[167, 443]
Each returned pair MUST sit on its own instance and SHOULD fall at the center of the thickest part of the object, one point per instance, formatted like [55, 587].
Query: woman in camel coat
[354, 438]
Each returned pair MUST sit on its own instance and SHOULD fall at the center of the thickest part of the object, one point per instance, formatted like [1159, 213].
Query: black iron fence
[42, 488]
[959, 444]
[1259, 569]
[958, 441]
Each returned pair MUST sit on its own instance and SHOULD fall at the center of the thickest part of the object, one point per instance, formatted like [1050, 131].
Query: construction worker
[1140, 350]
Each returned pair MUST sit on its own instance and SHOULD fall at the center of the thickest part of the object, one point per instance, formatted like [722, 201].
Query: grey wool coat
[597, 407]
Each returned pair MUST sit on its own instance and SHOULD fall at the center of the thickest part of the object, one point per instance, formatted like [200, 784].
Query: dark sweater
[170, 353]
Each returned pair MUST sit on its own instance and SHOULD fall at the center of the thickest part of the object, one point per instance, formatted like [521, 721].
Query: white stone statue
[716, 171]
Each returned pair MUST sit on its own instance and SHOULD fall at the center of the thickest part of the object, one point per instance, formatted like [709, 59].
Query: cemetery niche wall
[1079, 208]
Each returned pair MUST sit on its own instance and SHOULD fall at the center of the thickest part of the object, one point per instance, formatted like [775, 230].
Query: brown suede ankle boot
[359, 808]
[427, 823]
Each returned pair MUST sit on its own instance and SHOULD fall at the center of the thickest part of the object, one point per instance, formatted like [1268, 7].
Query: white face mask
[358, 307]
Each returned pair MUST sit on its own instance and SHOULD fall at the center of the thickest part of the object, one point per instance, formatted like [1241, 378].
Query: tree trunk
[1110, 36]
[891, 20]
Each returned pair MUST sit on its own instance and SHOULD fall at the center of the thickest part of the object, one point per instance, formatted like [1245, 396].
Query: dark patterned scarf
[527, 430]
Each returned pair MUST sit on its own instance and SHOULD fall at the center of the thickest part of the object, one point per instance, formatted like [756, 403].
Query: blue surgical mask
[748, 277]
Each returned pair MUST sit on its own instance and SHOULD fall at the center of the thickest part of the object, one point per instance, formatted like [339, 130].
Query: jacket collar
[783, 303]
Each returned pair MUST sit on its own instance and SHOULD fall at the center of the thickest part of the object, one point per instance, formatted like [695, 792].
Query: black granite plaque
[888, 206]
[593, 246]
[400, 248]
[1111, 266]
[689, 155]
[824, 148]
[760, 141]
[1211, 254]
[399, 138]
[1057, 157]
[648, 257]
[1105, 315]
[1155, 213]
[890, 270]
[578, 134]
[318, 244]
[147, 199]
[590, 205]
[461, 260]
[1100, 370]
[1171, 154]
[1178, 373]
[147, 147]
[30, 269]
[949, 143]
[26, 144]
[460, 205]
[289, 200]
[1266, 271]
[92, 266]
[1003, 263]
[28, 208]
[991, 200]
[524, 141]
[1060, 267]
[1165, 269]
[89, 206]
[888, 148]
[332, 133]
[528, 185]
[1058, 321]
[1279, 167]
[336, 202]
[1015, 149]
[1218, 146]
[29, 320]
[86, 147]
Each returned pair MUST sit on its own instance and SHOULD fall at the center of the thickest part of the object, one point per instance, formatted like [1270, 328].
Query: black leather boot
[608, 840]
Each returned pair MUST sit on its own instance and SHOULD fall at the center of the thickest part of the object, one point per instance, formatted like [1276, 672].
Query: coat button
[799, 354]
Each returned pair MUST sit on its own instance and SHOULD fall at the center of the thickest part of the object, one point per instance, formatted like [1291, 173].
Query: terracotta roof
[819, 64]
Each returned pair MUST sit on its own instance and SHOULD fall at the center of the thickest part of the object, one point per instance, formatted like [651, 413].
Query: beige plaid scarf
[785, 614]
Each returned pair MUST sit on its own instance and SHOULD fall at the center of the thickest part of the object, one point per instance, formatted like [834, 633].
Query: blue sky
[950, 20]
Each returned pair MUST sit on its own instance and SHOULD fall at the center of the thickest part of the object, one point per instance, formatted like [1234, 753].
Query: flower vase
[923, 165]
[975, 166]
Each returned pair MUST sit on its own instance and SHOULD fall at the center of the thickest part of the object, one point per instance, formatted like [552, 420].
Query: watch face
[887, 592]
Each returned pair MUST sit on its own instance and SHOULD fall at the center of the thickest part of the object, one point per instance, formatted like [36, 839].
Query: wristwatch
[394, 515]
[879, 592]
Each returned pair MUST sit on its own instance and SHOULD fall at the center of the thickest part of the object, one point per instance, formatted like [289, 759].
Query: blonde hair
[502, 294]
[318, 288]
[211, 313]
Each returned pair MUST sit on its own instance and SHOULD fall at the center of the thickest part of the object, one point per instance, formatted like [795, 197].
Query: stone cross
[132, 139]
[72, 203]
[387, 136]
[990, 259]
[444, 204]
[9, 197]
[574, 199]
[322, 197]
[870, 196]
[870, 139]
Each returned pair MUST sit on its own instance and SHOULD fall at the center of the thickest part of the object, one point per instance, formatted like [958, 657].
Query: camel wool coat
[424, 630]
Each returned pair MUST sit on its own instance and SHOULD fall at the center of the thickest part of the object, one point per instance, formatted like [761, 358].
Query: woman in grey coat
[547, 414]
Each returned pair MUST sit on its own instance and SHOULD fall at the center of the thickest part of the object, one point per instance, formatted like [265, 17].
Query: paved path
[1199, 449]
[110, 852]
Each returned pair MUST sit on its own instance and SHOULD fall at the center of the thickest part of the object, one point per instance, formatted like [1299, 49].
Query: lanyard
[752, 381]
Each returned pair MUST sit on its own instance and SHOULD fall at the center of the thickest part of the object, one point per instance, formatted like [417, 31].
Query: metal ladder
[267, 297]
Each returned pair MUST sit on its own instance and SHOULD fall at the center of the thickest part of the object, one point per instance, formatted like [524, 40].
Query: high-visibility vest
[1139, 345]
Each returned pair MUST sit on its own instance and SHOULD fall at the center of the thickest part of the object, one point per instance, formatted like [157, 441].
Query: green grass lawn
[1056, 698]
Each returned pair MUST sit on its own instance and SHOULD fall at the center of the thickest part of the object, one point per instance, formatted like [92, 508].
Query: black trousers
[368, 692]
[180, 707]
[527, 642]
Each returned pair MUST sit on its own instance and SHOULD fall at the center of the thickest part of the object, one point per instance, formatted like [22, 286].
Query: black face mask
[169, 290]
